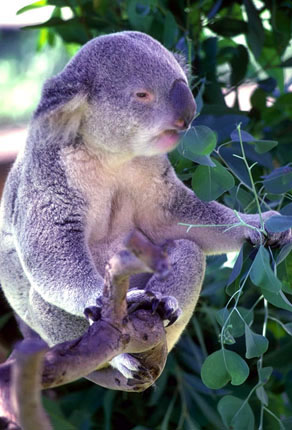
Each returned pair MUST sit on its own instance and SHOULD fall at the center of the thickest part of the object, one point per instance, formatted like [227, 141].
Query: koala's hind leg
[183, 283]
[133, 372]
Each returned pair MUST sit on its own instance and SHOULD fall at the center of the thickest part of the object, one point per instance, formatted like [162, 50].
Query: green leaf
[34, 5]
[236, 268]
[224, 366]
[228, 27]
[138, 14]
[263, 146]
[200, 140]
[236, 324]
[170, 31]
[265, 373]
[278, 223]
[279, 181]
[210, 182]
[57, 417]
[239, 63]
[277, 299]
[243, 135]
[261, 273]
[256, 34]
[256, 344]
[262, 396]
[288, 328]
[235, 413]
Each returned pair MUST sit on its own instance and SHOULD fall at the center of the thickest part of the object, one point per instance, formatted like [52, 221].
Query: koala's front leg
[222, 233]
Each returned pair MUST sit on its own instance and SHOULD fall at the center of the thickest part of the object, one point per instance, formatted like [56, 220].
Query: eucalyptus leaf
[265, 373]
[200, 140]
[224, 366]
[236, 323]
[288, 328]
[283, 254]
[262, 395]
[211, 182]
[278, 223]
[236, 268]
[239, 64]
[262, 146]
[31, 6]
[256, 344]
[139, 20]
[228, 27]
[287, 210]
[244, 135]
[261, 273]
[170, 32]
[278, 299]
[279, 181]
[255, 33]
[235, 413]
[235, 164]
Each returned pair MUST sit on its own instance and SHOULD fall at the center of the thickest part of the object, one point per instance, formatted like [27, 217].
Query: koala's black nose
[183, 104]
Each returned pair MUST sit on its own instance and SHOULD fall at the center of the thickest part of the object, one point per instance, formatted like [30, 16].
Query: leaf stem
[249, 168]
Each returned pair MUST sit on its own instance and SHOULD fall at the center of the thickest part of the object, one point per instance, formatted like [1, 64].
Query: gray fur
[93, 169]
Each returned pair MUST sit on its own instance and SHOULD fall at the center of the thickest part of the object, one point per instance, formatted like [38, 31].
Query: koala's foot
[272, 239]
[166, 306]
[132, 369]
[125, 373]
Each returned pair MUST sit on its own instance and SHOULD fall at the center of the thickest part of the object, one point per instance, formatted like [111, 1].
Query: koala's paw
[93, 313]
[166, 306]
[138, 377]
[272, 239]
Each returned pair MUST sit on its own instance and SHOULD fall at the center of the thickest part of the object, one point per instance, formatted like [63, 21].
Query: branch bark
[33, 366]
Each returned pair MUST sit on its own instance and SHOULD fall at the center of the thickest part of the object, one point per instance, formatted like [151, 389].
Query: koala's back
[13, 280]
[32, 184]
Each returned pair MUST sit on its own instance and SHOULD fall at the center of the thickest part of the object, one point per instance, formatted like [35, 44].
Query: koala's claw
[92, 313]
[131, 368]
[166, 306]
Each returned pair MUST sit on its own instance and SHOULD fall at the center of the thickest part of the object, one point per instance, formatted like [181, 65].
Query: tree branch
[141, 333]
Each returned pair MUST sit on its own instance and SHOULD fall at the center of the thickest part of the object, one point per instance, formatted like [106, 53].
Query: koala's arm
[184, 206]
[49, 232]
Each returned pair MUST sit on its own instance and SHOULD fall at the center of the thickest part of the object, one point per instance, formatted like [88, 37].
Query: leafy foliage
[239, 339]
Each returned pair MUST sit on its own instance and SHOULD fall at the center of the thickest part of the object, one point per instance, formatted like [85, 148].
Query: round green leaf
[199, 140]
[235, 323]
[256, 344]
[210, 182]
[224, 366]
[235, 413]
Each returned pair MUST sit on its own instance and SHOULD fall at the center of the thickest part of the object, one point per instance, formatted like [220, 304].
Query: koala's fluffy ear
[63, 100]
[182, 61]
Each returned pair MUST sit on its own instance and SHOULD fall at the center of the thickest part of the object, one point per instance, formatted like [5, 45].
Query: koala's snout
[183, 104]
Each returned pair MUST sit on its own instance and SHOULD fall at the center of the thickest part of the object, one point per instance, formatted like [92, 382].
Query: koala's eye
[144, 96]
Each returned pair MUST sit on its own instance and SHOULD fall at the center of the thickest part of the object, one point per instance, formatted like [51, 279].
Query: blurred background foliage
[241, 57]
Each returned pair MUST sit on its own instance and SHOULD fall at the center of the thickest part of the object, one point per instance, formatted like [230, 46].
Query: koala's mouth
[167, 140]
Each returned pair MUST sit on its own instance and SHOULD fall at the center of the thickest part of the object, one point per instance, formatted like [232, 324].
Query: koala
[95, 168]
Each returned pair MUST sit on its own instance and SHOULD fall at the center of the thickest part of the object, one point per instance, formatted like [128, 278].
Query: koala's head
[122, 92]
